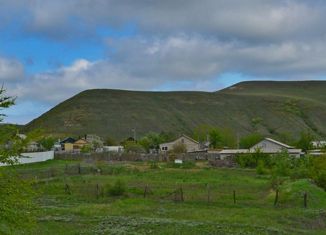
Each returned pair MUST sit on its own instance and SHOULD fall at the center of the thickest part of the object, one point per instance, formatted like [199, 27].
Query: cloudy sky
[51, 50]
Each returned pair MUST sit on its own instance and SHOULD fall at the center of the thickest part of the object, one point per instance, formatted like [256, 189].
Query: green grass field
[73, 203]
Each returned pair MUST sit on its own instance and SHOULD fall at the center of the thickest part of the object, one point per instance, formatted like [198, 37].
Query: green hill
[272, 108]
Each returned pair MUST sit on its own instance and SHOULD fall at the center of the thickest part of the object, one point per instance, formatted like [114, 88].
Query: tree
[47, 143]
[110, 141]
[201, 132]
[215, 138]
[16, 194]
[305, 141]
[5, 102]
[151, 141]
[250, 140]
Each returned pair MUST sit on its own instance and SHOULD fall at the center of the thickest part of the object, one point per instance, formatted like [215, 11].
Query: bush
[118, 189]
[179, 148]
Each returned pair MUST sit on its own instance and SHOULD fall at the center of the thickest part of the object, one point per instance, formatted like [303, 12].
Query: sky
[52, 50]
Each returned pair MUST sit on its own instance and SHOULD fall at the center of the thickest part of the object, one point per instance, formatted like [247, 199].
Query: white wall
[34, 157]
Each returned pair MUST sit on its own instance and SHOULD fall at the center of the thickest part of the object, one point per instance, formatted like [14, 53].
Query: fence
[133, 156]
[34, 157]
[95, 189]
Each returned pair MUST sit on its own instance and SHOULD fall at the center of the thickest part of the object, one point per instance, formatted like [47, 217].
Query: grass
[90, 209]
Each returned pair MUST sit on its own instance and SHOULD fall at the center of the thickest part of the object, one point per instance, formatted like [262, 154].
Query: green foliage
[118, 189]
[252, 160]
[47, 142]
[319, 171]
[151, 141]
[86, 149]
[250, 140]
[109, 141]
[5, 102]
[305, 141]
[215, 138]
[201, 132]
[133, 147]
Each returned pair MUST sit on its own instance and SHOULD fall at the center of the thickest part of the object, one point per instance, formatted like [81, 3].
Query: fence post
[276, 197]
[145, 191]
[208, 194]
[234, 199]
[305, 199]
[79, 169]
[97, 191]
[67, 189]
[181, 192]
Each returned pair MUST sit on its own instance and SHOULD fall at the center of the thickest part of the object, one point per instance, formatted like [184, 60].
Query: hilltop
[272, 108]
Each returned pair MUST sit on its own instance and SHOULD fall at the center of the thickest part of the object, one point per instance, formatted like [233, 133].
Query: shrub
[118, 189]
[179, 148]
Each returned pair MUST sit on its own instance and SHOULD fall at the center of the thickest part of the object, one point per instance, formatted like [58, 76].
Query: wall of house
[190, 145]
[267, 146]
[34, 157]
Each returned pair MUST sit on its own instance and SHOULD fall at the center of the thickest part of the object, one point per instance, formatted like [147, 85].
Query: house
[191, 144]
[67, 144]
[318, 144]
[267, 145]
[79, 144]
[114, 149]
[270, 146]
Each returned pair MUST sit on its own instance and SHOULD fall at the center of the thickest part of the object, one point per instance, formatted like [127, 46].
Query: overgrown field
[146, 198]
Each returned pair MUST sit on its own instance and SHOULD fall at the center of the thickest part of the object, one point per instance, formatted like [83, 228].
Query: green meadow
[146, 198]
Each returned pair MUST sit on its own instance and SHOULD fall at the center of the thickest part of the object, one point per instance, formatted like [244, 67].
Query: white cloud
[10, 70]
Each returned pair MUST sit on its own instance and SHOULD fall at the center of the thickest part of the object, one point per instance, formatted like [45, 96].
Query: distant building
[67, 144]
[318, 144]
[115, 149]
[79, 144]
[268, 146]
[190, 144]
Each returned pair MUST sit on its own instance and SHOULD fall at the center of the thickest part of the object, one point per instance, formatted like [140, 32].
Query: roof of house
[68, 140]
[234, 151]
[81, 141]
[279, 143]
[185, 136]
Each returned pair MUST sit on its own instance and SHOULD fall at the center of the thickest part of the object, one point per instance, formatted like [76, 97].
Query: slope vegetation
[272, 108]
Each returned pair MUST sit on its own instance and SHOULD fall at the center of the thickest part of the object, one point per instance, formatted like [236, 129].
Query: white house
[318, 144]
[191, 144]
[115, 149]
[271, 146]
[267, 145]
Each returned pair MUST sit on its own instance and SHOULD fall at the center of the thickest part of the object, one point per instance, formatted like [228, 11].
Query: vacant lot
[146, 198]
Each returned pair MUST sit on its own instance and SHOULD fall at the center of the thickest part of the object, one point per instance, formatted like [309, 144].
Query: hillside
[273, 108]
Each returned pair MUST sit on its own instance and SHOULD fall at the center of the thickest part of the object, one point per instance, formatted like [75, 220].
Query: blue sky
[51, 50]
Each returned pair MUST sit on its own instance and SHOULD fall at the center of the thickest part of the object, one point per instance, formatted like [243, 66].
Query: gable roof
[189, 138]
[279, 143]
[68, 140]
[183, 135]
[81, 141]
